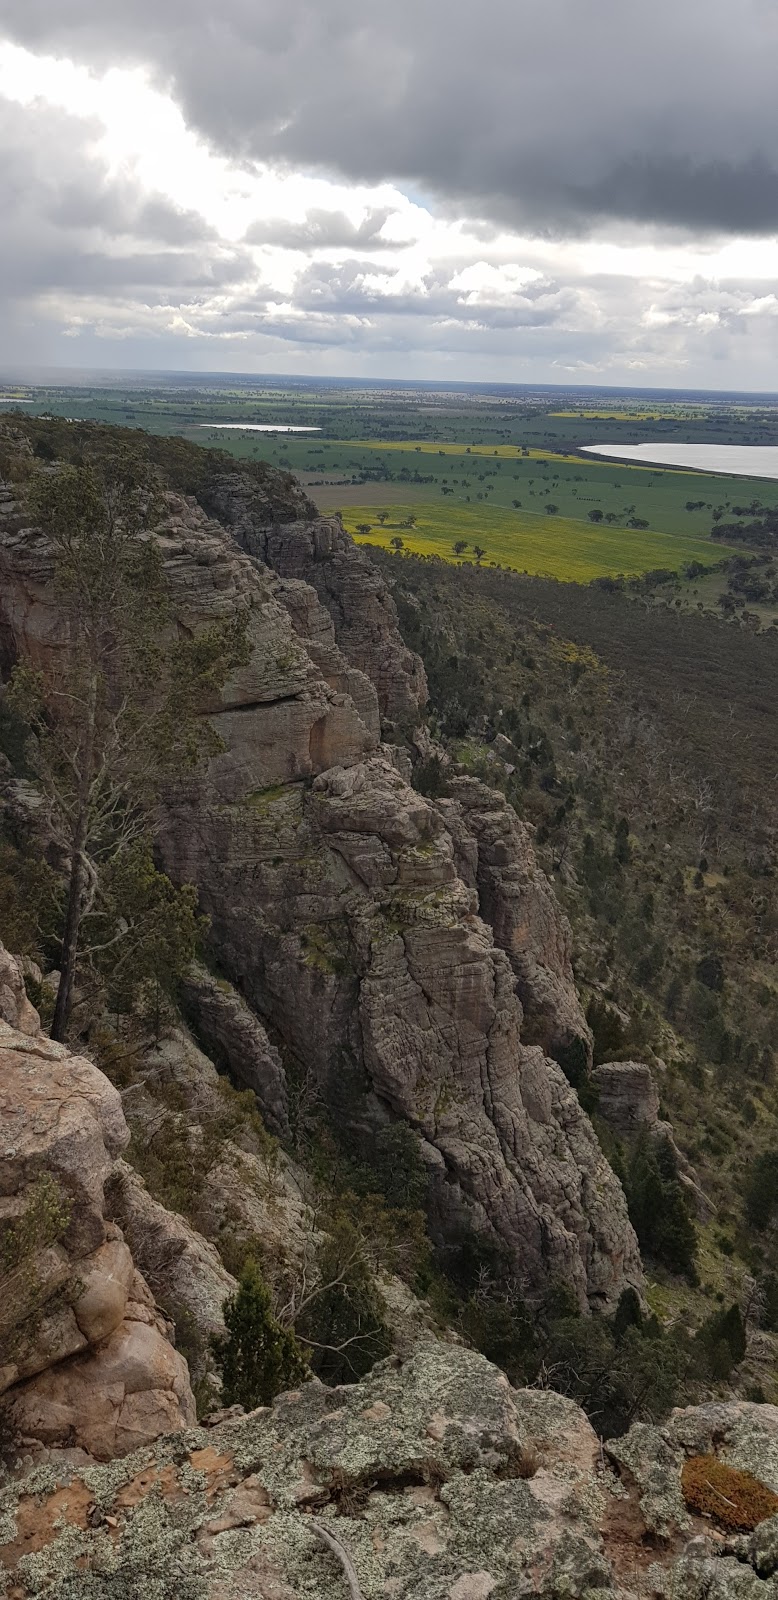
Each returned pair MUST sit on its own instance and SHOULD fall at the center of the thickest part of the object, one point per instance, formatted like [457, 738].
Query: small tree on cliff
[257, 1358]
[113, 712]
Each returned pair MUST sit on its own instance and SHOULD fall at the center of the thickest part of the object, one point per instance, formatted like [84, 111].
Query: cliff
[393, 946]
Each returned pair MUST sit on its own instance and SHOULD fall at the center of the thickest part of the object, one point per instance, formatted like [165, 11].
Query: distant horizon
[39, 375]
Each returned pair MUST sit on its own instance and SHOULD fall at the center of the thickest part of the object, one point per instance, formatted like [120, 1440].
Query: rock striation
[84, 1355]
[409, 957]
[433, 1478]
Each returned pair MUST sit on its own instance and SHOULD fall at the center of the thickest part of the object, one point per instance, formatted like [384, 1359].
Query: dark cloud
[552, 114]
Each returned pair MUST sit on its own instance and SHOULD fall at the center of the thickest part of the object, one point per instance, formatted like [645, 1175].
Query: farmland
[496, 469]
[550, 546]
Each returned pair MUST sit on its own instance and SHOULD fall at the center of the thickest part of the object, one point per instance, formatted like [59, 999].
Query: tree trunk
[69, 957]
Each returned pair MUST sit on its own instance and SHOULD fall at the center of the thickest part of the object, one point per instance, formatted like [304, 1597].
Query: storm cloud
[522, 191]
[544, 114]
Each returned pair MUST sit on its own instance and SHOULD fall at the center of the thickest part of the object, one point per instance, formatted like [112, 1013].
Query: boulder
[71, 1296]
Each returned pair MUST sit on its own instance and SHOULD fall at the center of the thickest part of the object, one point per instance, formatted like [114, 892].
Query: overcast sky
[519, 190]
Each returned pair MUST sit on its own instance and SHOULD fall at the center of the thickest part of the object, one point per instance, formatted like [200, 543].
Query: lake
[740, 460]
[260, 427]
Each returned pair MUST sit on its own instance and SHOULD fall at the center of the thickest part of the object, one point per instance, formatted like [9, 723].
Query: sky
[558, 191]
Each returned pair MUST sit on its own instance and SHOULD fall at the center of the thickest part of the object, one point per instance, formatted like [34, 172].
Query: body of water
[260, 427]
[740, 460]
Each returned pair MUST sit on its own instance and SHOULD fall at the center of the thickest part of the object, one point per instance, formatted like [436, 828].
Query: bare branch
[338, 1549]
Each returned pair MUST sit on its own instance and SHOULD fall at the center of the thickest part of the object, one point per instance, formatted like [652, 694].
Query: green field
[478, 465]
[484, 477]
[551, 546]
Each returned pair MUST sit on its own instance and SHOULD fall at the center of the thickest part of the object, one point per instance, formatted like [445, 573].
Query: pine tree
[258, 1359]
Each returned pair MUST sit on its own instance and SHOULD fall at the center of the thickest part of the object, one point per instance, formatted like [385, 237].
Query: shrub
[343, 1322]
[659, 1209]
[734, 1499]
[258, 1358]
[628, 1313]
[762, 1192]
[429, 778]
[723, 1340]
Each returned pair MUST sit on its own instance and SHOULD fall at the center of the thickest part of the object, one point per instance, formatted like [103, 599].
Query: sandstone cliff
[345, 906]
[430, 1480]
[85, 1357]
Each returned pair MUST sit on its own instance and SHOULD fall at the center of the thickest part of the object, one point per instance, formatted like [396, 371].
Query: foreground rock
[437, 1479]
[84, 1355]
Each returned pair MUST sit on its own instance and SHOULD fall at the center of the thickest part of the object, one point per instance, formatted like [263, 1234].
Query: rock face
[345, 906]
[85, 1357]
[494, 854]
[236, 1038]
[628, 1098]
[181, 1268]
[348, 585]
[15, 1008]
[434, 1478]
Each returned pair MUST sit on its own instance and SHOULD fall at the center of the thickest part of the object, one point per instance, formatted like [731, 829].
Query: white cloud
[122, 226]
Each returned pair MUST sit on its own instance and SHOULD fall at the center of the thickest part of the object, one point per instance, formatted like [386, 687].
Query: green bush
[344, 1323]
[659, 1209]
[761, 1195]
[257, 1358]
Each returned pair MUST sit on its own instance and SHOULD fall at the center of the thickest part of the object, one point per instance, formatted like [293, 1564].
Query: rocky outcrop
[627, 1098]
[299, 724]
[349, 586]
[432, 1479]
[345, 906]
[242, 1187]
[236, 1039]
[85, 1356]
[364, 948]
[182, 1269]
[494, 854]
[628, 1103]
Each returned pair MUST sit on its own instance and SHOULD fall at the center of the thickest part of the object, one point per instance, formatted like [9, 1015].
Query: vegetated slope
[644, 747]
